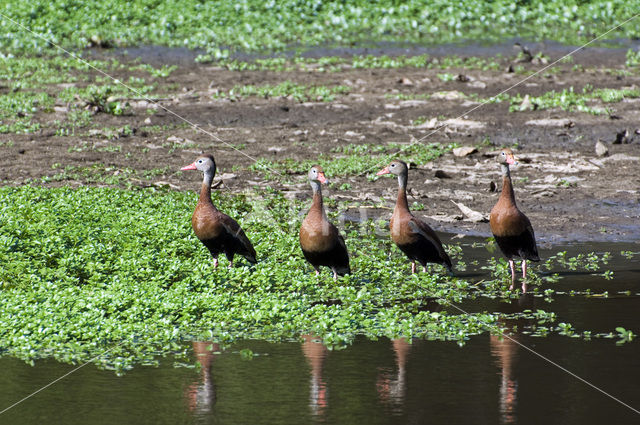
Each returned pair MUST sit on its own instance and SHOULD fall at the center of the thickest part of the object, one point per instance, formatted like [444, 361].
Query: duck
[413, 236]
[218, 232]
[321, 242]
[512, 229]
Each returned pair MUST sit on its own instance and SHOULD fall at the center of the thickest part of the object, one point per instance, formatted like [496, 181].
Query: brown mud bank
[569, 192]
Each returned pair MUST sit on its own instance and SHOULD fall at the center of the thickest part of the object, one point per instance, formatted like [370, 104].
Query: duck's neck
[507, 188]
[317, 197]
[205, 190]
[401, 202]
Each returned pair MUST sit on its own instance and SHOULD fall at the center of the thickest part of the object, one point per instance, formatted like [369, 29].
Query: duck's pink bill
[511, 160]
[383, 171]
[322, 179]
[189, 167]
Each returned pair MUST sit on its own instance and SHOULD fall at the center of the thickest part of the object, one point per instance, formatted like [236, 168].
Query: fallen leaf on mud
[475, 216]
[389, 124]
[275, 149]
[339, 106]
[601, 149]
[552, 122]
[228, 176]
[448, 95]
[163, 183]
[526, 104]
[410, 103]
[464, 151]
[405, 81]
[477, 84]
[463, 78]
[621, 157]
[446, 218]
[542, 193]
[469, 124]
[353, 134]
[429, 125]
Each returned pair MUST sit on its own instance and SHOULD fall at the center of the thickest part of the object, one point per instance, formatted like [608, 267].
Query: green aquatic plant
[222, 27]
[570, 100]
[117, 277]
[90, 269]
[624, 335]
[633, 58]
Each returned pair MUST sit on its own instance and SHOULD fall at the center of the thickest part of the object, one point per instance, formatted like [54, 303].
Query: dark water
[161, 55]
[487, 381]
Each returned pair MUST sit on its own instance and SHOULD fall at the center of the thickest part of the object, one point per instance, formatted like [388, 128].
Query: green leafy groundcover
[258, 24]
[91, 269]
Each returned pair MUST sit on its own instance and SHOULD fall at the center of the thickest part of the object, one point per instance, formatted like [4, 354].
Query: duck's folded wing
[234, 231]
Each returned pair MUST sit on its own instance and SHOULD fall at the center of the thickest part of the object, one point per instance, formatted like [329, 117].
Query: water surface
[488, 380]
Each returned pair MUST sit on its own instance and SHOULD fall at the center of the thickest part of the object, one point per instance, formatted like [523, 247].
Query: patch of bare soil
[567, 190]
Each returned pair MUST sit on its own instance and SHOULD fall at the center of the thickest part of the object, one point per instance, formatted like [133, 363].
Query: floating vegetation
[96, 269]
[221, 27]
[339, 63]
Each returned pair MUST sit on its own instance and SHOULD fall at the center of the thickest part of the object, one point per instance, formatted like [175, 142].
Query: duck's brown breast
[401, 232]
[316, 233]
[206, 222]
[507, 220]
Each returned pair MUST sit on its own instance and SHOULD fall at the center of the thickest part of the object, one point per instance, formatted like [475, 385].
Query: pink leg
[413, 267]
[513, 273]
[230, 264]
[524, 276]
[424, 269]
[215, 263]
[317, 272]
[335, 276]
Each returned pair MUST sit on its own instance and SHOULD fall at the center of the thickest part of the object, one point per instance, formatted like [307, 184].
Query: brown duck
[413, 236]
[510, 227]
[216, 230]
[321, 243]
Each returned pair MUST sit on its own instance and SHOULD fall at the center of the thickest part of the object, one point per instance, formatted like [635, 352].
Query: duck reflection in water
[201, 394]
[505, 351]
[393, 389]
[315, 352]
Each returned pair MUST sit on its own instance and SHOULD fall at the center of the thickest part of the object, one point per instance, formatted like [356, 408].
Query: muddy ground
[568, 192]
